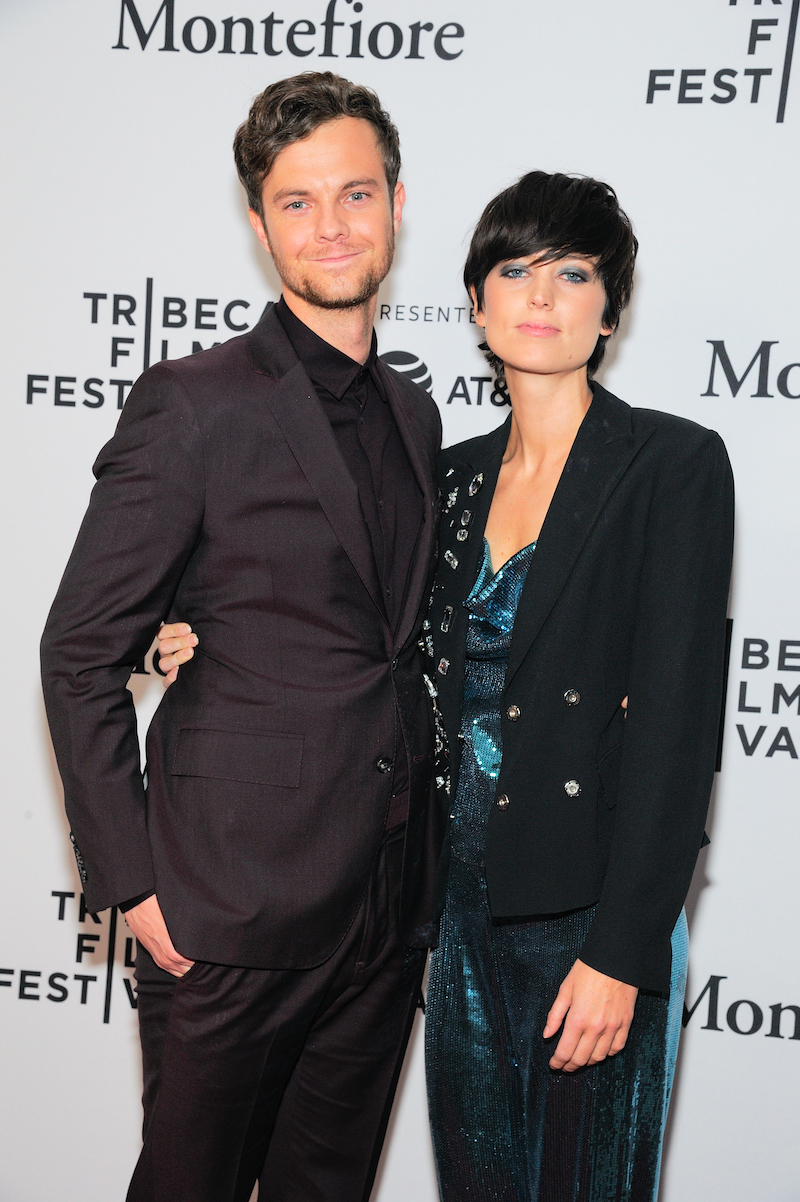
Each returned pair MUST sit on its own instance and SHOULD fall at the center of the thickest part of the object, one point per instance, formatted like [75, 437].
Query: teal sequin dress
[505, 1127]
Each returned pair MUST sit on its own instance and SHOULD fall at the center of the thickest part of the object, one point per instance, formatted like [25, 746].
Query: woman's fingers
[176, 644]
[558, 1010]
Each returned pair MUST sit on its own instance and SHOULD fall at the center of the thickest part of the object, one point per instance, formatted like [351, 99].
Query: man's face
[329, 222]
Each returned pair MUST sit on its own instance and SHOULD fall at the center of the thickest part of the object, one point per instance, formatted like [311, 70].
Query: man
[276, 492]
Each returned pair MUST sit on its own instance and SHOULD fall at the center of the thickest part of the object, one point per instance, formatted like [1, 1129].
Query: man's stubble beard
[364, 289]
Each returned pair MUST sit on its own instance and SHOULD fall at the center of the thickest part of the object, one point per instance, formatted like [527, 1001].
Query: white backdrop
[118, 182]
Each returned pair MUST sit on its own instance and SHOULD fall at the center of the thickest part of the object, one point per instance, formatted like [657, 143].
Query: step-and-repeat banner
[125, 240]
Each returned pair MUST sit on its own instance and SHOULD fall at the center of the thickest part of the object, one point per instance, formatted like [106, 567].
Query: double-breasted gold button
[572, 696]
[572, 788]
[513, 712]
[502, 802]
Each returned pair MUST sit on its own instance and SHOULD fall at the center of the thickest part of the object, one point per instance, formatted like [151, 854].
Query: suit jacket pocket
[253, 757]
[610, 768]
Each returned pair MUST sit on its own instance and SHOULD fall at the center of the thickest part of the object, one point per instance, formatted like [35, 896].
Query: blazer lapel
[468, 489]
[421, 456]
[604, 447]
[301, 419]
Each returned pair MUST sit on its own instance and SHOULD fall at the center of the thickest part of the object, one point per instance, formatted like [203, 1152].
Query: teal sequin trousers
[505, 1127]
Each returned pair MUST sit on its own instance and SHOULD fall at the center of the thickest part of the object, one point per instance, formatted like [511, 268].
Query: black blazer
[626, 594]
[223, 498]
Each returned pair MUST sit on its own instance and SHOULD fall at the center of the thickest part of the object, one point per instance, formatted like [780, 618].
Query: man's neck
[349, 330]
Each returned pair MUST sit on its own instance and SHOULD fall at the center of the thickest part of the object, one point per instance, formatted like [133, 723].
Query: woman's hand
[596, 1011]
[176, 644]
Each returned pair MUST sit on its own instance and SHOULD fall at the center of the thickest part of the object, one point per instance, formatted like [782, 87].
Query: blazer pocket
[610, 769]
[252, 757]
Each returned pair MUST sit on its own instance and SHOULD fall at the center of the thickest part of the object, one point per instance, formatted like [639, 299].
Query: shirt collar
[326, 366]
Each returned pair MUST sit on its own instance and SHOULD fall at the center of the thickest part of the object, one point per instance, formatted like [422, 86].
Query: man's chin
[333, 298]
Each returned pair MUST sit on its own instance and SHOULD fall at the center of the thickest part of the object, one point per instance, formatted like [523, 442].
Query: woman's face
[543, 318]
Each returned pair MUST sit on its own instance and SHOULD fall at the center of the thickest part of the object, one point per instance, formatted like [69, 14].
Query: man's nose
[331, 223]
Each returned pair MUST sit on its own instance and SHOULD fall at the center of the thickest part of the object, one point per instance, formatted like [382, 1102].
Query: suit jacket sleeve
[144, 518]
[666, 761]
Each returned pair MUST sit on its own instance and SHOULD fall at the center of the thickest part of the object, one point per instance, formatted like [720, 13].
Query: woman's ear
[480, 319]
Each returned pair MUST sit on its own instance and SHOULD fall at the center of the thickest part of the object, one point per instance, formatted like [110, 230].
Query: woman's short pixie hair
[291, 109]
[554, 216]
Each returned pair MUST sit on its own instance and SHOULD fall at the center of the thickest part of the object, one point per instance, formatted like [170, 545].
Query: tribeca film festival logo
[90, 978]
[327, 38]
[150, 327]
[141, 331]
[766, 39]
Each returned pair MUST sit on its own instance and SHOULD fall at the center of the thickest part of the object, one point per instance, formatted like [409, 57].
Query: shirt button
[384, 765]
[572, 696]
[572, 788]
[502, 802]
[513, 712]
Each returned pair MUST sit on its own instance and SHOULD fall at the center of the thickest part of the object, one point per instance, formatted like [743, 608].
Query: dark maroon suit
[224, 499]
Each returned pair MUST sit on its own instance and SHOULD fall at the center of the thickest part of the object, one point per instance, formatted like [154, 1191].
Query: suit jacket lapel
[301, 419]
[604, 447]
[421, 456]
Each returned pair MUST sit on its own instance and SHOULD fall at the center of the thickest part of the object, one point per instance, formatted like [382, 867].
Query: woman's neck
[547, 412]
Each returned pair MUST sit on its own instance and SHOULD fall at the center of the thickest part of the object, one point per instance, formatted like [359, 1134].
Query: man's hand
[176, 645]
[598, 1011]
[147, 923]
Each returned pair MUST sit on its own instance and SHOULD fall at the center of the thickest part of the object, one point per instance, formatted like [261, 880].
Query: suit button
[394, 661]
[572, 788]
[384, 765]
[513, 712]
[572, 696]
[502, 802]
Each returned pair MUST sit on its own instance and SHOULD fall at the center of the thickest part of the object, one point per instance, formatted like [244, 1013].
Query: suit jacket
[626, 594]
[223, 498]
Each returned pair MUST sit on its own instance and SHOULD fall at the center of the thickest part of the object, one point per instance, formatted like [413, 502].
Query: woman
[585, 555]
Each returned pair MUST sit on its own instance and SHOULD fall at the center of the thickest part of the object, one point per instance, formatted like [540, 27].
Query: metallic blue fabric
[505, 1127]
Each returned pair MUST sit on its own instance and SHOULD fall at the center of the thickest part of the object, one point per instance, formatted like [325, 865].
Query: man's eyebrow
[360, 183]
[286, 192]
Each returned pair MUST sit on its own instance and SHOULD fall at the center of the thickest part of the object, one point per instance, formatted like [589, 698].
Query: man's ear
[257, 223]
[397, 205]
[480, 320]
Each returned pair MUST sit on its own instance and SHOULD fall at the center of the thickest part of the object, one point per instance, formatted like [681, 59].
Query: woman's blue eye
[512, 273]
[574, 275]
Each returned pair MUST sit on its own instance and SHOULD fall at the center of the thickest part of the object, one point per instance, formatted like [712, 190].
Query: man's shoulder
[203, 366]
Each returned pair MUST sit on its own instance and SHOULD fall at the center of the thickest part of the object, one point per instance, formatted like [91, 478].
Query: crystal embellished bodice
[492, 606]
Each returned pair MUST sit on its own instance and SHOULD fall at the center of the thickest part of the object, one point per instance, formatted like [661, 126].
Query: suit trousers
[282, 1076]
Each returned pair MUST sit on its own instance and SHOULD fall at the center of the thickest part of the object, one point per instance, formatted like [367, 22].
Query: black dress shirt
[371, 446]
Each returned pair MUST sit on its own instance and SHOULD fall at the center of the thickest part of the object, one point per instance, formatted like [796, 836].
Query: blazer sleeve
[144, 518]
[672, 725]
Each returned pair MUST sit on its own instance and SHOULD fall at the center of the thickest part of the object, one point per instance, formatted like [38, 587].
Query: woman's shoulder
[663, 430]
